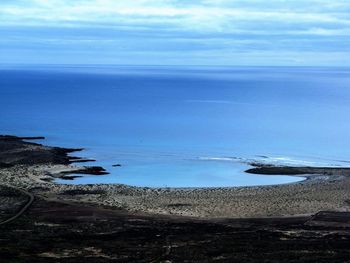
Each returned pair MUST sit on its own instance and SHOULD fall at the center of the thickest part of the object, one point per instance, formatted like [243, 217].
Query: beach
[326, 189]
[127, 223]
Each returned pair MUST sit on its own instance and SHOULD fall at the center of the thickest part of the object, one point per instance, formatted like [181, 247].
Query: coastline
[325, 189]
[119, 223]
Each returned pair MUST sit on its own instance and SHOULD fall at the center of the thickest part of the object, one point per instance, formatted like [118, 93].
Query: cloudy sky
[176, 32]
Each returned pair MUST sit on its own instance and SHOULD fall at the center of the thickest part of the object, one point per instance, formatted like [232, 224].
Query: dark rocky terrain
[18, 151]
[67, 232]
[290, 170]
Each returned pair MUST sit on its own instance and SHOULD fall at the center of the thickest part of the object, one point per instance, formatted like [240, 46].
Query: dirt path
[24, 208]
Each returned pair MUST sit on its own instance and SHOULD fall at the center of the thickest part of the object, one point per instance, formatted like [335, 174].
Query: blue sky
[176, 32]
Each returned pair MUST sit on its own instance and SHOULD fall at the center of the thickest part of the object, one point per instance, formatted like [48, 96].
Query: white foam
[273, 160]
[282, 160]
[230, 159]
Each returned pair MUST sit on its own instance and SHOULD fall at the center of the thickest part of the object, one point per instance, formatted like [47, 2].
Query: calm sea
[183, 126]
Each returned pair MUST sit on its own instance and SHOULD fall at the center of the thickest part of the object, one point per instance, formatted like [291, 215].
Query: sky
[176, 32]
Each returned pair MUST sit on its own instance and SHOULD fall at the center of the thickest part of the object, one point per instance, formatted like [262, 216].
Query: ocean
[172, 126]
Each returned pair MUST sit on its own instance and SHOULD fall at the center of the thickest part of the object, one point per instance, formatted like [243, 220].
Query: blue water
[183, 127]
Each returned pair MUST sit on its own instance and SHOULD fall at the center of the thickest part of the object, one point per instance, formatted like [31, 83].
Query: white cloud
[203, 31]
[200, 16]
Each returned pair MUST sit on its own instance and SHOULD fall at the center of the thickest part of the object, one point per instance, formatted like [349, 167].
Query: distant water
[183, 126]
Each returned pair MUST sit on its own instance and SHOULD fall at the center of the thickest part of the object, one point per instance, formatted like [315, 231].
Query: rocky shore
[308, 220]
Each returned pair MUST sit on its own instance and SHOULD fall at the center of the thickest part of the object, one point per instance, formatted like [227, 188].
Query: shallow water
[180, 127]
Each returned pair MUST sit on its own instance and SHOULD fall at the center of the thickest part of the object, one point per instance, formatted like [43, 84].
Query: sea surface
[182, 126]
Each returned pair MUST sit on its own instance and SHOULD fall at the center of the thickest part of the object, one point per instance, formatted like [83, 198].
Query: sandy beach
[322, 189]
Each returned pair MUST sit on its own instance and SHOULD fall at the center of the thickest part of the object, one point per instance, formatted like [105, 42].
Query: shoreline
[308, 221]
[325, 189]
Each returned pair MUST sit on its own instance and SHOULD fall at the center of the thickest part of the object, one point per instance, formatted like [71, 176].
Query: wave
[290, 161]
[231, 159]
[274, 160]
